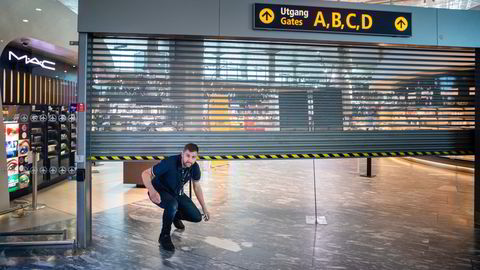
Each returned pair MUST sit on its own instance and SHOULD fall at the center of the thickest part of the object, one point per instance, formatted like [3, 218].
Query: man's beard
[185, 164]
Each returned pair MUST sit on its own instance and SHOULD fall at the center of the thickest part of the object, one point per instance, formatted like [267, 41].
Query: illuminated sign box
[332, 20]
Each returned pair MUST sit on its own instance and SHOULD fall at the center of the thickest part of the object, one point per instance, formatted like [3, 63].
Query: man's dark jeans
[180, 207]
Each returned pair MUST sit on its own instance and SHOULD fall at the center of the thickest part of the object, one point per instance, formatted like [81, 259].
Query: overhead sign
[44, 64]
[332, 20]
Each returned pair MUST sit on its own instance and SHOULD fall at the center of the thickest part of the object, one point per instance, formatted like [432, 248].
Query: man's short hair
[191, 147]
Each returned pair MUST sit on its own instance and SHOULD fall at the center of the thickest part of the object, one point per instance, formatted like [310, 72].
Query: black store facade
[37, 89]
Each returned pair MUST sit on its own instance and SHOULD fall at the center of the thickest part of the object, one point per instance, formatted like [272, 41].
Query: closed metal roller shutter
[151, 96]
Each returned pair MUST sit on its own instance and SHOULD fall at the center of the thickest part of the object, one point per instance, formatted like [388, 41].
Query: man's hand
[154, 196]
[206, 215]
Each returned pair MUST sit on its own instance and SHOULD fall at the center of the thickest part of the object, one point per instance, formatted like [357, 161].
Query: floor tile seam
[59, 210]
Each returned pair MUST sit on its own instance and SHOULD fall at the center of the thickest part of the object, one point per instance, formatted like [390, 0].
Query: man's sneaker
[166, 242]
[178, 224]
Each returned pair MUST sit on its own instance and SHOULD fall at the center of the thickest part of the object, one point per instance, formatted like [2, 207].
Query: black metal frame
[38, 244]
[476, 198]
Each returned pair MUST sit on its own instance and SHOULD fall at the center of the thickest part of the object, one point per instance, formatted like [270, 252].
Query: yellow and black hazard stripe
[295, 156]
[130, 158]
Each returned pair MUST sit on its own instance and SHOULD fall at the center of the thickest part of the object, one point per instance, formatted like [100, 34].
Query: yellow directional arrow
[401, 24]
[266, 15]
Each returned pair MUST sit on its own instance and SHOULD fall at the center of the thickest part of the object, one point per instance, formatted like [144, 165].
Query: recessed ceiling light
[1, 40]
[24, 20]
[38, 9]
[65, 71]
[74, 66]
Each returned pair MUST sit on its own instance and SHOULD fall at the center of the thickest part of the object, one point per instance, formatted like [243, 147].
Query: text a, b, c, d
[366, 21]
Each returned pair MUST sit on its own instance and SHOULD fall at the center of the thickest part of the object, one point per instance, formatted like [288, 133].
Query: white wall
[234, 19]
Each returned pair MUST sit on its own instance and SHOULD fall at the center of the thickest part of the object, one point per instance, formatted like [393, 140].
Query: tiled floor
[408, 217]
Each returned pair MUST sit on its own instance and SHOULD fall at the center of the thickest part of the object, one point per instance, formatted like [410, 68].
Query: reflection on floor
[408, 217]
[60, 199]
